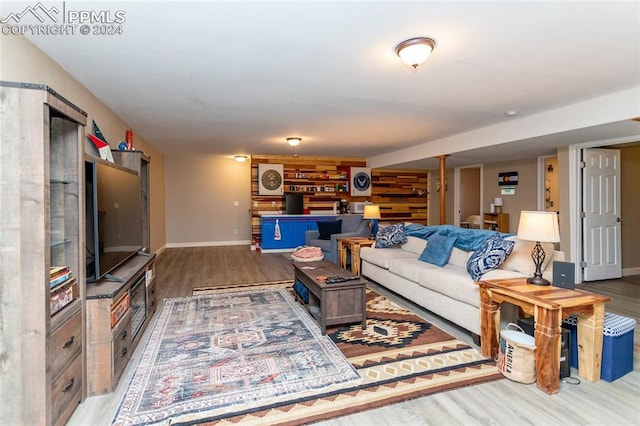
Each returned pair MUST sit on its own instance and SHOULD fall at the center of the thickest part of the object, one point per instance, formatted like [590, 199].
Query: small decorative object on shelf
[129, 138]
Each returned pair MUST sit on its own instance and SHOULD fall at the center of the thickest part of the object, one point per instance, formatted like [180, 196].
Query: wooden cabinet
[117, 315]
[496, 222]
[292, 229]
[41, 226]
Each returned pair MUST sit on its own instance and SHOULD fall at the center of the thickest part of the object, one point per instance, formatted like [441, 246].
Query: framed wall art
[507, 178]
[270, 179]
[360, 181]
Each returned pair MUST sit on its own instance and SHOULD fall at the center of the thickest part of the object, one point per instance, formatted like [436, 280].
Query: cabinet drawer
[67, 390]
[119, 309]
[121, 346]
[65, 343]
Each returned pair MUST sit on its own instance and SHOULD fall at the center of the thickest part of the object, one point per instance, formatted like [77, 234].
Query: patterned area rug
[219, 354]
[399, 356]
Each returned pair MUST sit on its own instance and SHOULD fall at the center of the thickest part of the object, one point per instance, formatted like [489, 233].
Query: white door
[601, 207]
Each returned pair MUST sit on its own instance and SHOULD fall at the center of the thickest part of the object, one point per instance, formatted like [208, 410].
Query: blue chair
[353, 225]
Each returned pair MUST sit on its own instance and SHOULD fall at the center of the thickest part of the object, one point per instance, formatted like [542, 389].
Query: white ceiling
[238, 77]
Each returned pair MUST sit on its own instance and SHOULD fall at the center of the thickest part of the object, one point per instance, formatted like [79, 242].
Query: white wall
[23, 62]
[200, 195]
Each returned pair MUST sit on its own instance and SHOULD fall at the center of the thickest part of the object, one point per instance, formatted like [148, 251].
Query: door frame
[575, 196]
[541, 178]
[456, 190]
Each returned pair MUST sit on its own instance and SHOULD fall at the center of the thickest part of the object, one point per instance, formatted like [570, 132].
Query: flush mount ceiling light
[415, 51]
[240, 158]
[512, 113]
[294, 141]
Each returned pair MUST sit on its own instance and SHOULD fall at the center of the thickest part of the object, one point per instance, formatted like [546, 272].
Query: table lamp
[539, 227]
[372, 212]
[497, 202]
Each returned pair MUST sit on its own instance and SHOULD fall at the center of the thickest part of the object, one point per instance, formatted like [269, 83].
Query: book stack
[64, 288]
[58, 275]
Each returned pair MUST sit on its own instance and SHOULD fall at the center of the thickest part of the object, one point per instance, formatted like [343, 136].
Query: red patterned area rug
[222, 353]
[399, 356]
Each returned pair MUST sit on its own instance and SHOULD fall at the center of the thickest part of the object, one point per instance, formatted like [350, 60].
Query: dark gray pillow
[329, 228]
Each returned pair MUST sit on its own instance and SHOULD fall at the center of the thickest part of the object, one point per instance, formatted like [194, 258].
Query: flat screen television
[293, 203]
[114, 217]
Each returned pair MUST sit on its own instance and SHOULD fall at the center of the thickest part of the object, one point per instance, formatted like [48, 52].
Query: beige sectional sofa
[447, 291]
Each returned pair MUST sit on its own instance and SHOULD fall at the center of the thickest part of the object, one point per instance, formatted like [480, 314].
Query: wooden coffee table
[331, 304]
[549, 306]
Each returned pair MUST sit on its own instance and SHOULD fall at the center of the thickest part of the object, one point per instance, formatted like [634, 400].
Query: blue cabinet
[292, 229]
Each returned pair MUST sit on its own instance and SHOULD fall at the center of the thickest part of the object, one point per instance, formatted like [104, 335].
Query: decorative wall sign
[508, 178]
[360, 181]
[270, 179]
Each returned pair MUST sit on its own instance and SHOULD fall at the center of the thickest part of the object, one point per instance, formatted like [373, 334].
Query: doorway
[577, 243]
[468, 196]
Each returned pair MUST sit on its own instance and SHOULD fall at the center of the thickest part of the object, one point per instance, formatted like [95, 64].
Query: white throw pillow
[520, 258]
[414, 245]
[459, 257]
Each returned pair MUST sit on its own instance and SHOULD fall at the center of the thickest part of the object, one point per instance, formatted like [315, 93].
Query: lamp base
[538, 281]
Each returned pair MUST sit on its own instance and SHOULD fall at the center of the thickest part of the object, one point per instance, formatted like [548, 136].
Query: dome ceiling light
[294, 141]
[240, 158]
[415, 51]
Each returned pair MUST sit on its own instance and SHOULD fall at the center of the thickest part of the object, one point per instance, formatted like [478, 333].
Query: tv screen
[114, 221]
[293, 203]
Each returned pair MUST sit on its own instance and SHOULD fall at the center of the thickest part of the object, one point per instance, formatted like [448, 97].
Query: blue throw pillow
[489, 256]
[329, 228]
[438, 250]
[391, 236]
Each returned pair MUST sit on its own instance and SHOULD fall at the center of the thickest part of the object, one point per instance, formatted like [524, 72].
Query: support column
[443, 190]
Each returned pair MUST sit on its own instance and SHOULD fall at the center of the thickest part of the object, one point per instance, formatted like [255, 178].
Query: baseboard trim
[210, 244]
[630, 271]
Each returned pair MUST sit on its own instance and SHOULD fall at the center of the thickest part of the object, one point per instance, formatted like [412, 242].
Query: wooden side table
[549, 306]
[352, 244]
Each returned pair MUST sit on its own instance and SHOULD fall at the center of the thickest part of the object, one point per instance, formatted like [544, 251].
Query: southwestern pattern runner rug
[221, 353]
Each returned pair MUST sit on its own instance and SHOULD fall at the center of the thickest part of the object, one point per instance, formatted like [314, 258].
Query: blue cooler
[617, 345]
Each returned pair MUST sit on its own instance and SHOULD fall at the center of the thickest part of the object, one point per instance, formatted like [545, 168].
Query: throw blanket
[466, 239]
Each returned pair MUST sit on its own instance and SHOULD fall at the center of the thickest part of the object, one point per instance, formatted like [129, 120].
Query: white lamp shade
[497, 201]
[539, 226]
[371, 212]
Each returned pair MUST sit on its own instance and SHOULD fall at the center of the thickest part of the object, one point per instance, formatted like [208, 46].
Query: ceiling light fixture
[512, 113]
[240, 158]
[294, 141]
[415, 51]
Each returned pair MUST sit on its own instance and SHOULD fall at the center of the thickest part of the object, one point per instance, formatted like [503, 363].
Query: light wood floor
[498, 403]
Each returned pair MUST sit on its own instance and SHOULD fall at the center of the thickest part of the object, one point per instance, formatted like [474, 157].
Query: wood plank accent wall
[401, 193]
